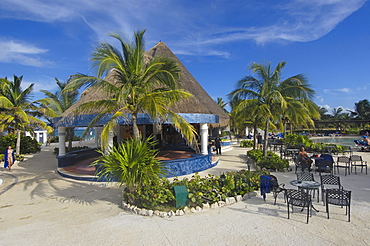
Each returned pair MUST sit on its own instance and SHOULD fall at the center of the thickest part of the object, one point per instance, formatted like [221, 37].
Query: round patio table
[305, 184]
[308, 186]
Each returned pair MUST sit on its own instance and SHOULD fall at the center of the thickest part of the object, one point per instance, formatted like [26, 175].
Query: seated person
[304, 158]
[366, 141]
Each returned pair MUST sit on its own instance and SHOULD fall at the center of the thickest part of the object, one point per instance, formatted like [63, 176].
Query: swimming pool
[348, 141]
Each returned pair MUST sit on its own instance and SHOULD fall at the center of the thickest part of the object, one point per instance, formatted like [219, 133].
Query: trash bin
[181, 195]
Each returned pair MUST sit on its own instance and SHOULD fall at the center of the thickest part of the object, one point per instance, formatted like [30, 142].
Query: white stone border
[186, 210]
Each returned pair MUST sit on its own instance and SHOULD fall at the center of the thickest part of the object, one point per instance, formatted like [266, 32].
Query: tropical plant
[246, 143]
[221, 103]
[55, 104]
[17, 113]
[295, 140]
[140, 84]
[267, 98]
[270, 162]
[362, 110]
[324, 113]
[132, 164]
[29, 145]
[241, 119]
[157, 195]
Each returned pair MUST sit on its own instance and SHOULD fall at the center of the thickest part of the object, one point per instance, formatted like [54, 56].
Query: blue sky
[328, 41]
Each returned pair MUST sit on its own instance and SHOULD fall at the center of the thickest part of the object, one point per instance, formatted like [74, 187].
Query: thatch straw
[201, 103]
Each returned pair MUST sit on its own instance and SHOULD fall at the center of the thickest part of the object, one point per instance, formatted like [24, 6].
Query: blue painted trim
[227, 143]
[174, 168]
[84, 120]
[82, 178]
[191, 165]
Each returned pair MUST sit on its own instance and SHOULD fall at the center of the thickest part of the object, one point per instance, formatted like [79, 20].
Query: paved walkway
[38, 207]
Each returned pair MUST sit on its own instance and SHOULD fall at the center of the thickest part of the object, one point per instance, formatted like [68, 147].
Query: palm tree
[221, 103]
[141, 84]
[269, 97]
[17, 112]
[54, 104]
[299, 113]
[338, 115]
[324, 113]
[362, 110]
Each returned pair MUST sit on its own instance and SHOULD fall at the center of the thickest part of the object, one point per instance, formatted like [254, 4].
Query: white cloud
[326, 106]
[319, 98]
[193, 25]
[345, 90]
[334, 91]
[14, 51]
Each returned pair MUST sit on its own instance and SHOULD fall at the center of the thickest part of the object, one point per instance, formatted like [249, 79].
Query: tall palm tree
[270, 97]
[141, 84]
[294, 115]
[17, 112]
[54, 104]
[362, 110]
[337, 113]
[221, 103]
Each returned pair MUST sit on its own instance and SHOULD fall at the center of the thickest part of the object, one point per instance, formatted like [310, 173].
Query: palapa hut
[201, 111]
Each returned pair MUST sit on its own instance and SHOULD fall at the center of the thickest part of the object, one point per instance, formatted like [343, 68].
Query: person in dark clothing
[218, 145]
[259, 141]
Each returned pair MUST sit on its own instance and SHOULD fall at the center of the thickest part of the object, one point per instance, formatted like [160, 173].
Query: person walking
[218, 145]
[9, 158]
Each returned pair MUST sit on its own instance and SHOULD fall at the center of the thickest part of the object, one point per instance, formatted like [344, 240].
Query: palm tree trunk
[254, 135]
[18, 147]
[70, 134]
[266, 137]
[284, 131]
[135, 128]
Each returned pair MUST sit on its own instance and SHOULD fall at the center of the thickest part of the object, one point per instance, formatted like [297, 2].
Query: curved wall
[186, 166]
[175, 168]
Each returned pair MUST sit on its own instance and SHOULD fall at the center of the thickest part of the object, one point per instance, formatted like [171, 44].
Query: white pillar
[62, 141]
[204, 139]
[98, 131]
[110, 139]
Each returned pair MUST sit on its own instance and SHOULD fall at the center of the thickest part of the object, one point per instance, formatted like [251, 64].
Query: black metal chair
[342, 162]
[329, 182]
[306, 176]
[298, 198]
[356, 161]
[276, 187]
[300, 164]
[339, 197]
[269, 183]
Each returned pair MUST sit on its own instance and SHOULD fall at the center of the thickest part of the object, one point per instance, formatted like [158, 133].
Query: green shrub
[157, 195]
[255, 154]
[320, 148]
[209, 189]
[296, 141]
[246, 143]
[271, 162]
[28, 145]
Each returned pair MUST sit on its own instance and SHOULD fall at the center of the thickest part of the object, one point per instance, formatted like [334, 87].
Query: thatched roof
[201, 103]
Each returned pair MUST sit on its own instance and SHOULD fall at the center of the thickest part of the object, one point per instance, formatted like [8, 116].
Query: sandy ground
[38, 207]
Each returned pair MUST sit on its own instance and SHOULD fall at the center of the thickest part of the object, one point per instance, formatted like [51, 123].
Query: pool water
[348, 141]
